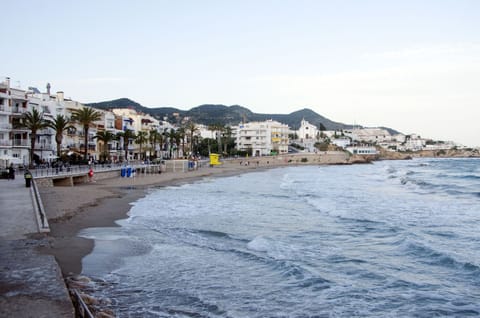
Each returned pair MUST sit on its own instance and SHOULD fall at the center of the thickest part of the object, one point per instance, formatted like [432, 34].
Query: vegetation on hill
[225, 115]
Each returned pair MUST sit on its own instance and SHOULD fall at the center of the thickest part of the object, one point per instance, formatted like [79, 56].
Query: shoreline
[102, 203]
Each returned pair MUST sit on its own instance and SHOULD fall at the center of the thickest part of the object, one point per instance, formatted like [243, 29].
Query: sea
[388, 239]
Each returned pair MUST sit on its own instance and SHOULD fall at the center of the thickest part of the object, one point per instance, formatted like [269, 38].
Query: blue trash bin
[129, 172]
[123, 171]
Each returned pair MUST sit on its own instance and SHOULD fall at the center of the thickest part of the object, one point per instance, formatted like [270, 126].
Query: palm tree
[177, 136]
[105, 137]
[86, 116]
[218, 128]
[126, 135]
[192, 129]
[170, 137]
[181, 138]
[227, 138]
[60, 124]
[34, 121]
[141, 139]
[154, 138]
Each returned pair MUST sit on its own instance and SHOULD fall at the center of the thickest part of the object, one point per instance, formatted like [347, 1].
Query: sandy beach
[101, 203]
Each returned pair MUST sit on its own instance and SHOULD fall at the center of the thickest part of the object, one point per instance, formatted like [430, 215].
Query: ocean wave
[433, 257]
[469, 177]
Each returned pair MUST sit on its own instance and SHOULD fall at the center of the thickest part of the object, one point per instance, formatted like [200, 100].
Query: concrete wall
[71, 180]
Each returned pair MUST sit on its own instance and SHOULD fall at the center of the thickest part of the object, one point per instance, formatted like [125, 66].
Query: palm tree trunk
[85, 153]
[33, 138]
[58, 139]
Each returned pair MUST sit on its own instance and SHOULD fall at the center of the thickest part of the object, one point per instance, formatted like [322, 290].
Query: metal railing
[138, 167]
[66, 170]
[81, 308]
[40, 209]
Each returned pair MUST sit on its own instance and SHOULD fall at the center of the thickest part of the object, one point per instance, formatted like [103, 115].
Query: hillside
[220, 114]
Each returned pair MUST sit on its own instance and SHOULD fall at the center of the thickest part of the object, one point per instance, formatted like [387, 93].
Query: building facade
[262, 138]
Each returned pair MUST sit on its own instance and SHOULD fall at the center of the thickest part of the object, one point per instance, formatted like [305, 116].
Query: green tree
[172, 138]
[60, 124]
[227, 138]
[218, 129]
[126, 136]
[177, 136]
[142, 138]
[86, 116]
[192, 129]
[154, 137]
[34, 121]
[181, 135]
[105, 137]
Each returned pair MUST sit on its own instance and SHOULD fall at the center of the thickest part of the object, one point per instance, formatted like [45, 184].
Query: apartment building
[15, 143]
[14, 140]
[262, 138]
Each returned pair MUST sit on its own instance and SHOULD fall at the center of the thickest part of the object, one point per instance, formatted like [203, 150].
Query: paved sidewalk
[31, 284]
[17, 215]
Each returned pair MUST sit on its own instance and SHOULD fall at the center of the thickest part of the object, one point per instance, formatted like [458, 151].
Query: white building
[262, 138]
[412, 142]
[307, 135]
[341, 142]
[307, 131]
[14, 140]
[139, 122]
[362, 150]
[204, 132]
[371, 135]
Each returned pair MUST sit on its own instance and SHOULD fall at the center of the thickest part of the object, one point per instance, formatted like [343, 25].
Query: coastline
[101, 203]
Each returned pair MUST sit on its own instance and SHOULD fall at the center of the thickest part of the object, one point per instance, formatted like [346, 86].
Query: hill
[226, 115]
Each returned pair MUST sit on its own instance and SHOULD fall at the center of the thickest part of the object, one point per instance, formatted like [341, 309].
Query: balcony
[19, 110]
[21, 143]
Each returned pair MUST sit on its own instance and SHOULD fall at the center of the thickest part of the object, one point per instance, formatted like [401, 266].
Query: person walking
[28, 178]
[11, 172]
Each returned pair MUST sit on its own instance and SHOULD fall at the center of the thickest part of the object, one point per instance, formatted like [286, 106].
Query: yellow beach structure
[214, 159]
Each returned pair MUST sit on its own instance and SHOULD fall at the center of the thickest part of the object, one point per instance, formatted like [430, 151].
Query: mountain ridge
[209, 114]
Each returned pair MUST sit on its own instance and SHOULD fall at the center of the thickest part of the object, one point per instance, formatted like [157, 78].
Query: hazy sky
[413, 65]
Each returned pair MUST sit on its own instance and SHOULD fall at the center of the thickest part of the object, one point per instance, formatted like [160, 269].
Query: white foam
[259, 244]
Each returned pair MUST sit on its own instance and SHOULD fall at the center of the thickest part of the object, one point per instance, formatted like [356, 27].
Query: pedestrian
[28, 178]
[90, 175]
[11, 172]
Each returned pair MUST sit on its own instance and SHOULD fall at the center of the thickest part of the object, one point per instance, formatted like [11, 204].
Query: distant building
[307, 131]
[307, 135]
[371, 135]
[262, 138]
[362, 150]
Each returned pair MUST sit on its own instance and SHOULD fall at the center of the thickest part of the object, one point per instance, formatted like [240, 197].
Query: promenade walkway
[17, 215]
[31, 283]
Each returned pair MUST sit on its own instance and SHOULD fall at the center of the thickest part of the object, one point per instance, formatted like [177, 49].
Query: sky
[412, 65]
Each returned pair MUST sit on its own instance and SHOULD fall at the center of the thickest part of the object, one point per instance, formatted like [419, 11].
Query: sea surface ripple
[391, 239]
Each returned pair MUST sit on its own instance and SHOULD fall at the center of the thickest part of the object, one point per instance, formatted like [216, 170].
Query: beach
[101, 203]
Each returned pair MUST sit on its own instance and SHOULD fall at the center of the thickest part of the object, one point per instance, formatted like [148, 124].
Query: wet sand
[101, 203]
